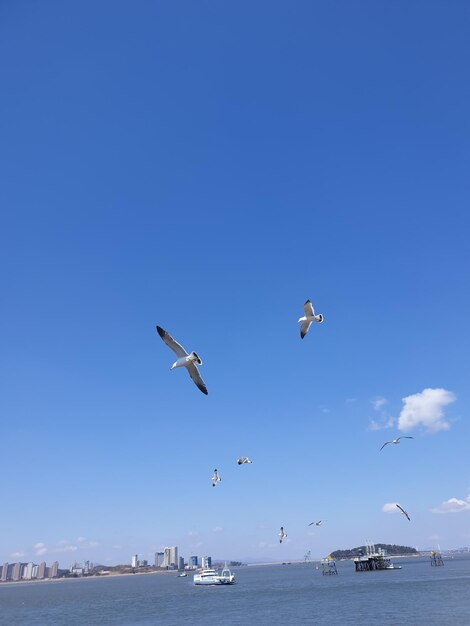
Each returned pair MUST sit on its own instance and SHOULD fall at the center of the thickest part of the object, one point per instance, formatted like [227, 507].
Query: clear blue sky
[207, 167]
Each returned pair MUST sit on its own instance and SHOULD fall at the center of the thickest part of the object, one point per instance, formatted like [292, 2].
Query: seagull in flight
[319, 523]
[215, 478]
[243, 459]
[404, 512]
[282, 534]
[184, 359]
[397, 440]
[308, 318]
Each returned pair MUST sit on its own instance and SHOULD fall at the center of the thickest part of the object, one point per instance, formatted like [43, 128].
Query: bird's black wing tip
[308, 301]
[160, 331]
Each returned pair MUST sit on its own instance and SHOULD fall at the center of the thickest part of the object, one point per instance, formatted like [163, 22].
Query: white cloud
[390, 507]
[68, 548]
[217, 529]
[388, 422]
[40, 548]
[16, 555]
[453, 505]
[378, 402]
[64, 546]
[425, 409]
[86, 543]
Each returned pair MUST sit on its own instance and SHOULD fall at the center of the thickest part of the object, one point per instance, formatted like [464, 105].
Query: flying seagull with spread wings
[282, 534]
[404, 512]
[308, 318]
[184, 359]
[243, 459]
[397, 440]
[319, 523]
[215, 478]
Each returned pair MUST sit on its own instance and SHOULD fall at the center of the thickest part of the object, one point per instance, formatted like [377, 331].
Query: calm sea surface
[289, 594]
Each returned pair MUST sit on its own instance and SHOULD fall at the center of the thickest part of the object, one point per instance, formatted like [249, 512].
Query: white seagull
[243, 459]
[215, 478]
[184, 359]
[308, 318]
[404, 512]
[397, 440]
[319, 523]
[282, 535]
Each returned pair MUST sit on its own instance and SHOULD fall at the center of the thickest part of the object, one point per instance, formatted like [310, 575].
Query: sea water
[274, 594]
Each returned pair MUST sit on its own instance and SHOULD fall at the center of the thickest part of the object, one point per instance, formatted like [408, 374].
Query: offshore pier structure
[373, 559]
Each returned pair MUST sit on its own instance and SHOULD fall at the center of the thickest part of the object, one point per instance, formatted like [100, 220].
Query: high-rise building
[27, 573]
[16, 573]
[159, 558]
[166, 557]
[134, 560]
[170, 558]
[206, 562]
[5, 572]
[193, 561]
[54, 570]
[42, 570]
[180, 562]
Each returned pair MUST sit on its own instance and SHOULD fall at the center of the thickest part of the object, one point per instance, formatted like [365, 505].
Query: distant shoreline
[70, 578]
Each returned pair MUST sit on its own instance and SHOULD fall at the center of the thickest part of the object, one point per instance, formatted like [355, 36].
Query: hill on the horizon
[392, 550]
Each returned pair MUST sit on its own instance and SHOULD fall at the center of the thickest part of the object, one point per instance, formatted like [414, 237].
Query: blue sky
[208, 167]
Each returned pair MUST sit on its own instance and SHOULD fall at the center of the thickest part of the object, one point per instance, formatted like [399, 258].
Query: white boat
[182, 575]
[212, 577]
[392, 566]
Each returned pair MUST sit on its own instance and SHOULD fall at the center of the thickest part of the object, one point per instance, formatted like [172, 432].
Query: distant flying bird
[215, 478]
[308, 318]
[319, 523]
[184, 359]
[243, 459]
[397, 440]
[282, 535]
[404, 512]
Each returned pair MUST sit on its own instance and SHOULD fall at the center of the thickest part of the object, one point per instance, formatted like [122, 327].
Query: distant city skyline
[27, 571]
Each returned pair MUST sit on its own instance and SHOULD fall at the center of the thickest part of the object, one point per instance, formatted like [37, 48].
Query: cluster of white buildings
[169, 559]
[28, 571]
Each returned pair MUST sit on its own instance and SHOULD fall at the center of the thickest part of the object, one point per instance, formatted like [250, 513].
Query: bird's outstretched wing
[308, 308]
[194, 373]
[403, 437]
[304, 329]
[171, 343]
[385, 444]
[404, 512]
